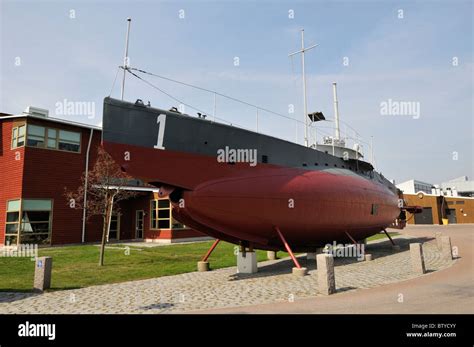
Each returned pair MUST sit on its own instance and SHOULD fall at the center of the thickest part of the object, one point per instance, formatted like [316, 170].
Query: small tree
[105, 188]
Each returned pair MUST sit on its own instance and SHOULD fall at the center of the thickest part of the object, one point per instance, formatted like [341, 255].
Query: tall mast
[305, 106]
[305, 103]
[125, 58]
[336, 110]
[372, 151]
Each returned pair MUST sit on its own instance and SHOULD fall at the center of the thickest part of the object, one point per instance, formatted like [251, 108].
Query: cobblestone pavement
[224, 288]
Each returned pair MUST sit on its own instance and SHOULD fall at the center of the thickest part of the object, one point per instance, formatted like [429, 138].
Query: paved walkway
[448, 291]
[224, 289]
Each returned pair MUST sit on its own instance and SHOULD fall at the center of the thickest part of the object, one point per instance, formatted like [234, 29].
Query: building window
[35, 221]
[35, 136]
[12, 222]
[51, 138]
[114, 230]
[69, 141]
[34, 225]
[18, 136]
[161, 217]
[422, 188]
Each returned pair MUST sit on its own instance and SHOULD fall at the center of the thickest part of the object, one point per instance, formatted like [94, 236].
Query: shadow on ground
[12, 295]
[161, 306]
[378, 249]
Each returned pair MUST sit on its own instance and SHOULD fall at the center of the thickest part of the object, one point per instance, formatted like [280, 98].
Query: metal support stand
[210, 250]
[203, 265]
[393, 243]
[352, 239]
[288, 249]
[356, 244]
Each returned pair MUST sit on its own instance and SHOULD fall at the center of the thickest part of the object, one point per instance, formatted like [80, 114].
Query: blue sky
[402, 59]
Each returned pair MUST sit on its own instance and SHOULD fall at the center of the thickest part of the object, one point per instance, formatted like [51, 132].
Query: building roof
[137, 188]
[459, 185]
[458, 179]
[51, 119]
[444, 196]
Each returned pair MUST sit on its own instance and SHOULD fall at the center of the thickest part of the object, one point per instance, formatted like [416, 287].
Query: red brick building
[39, 157]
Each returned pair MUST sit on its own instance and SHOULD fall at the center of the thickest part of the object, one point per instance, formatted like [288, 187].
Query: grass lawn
[382, 236]
[76, 266]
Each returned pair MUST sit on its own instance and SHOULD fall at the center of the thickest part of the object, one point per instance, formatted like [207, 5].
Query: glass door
[139, 224]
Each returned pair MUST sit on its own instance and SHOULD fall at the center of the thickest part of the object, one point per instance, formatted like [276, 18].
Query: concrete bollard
[368, 257]
[300, 272]
[438, 236]
[326, 278]
[311, 256]
[446, 248]
[271, 255]
[247, 262]
[203, 266]
[416, 258]
[43, 268]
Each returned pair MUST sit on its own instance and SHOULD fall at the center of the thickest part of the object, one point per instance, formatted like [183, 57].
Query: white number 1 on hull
[161, 121]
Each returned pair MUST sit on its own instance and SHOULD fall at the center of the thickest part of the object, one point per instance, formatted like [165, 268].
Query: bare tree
[106, 187]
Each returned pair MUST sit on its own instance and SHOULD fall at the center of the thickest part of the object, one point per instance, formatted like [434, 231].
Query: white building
[460, 186]
[415, 186]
